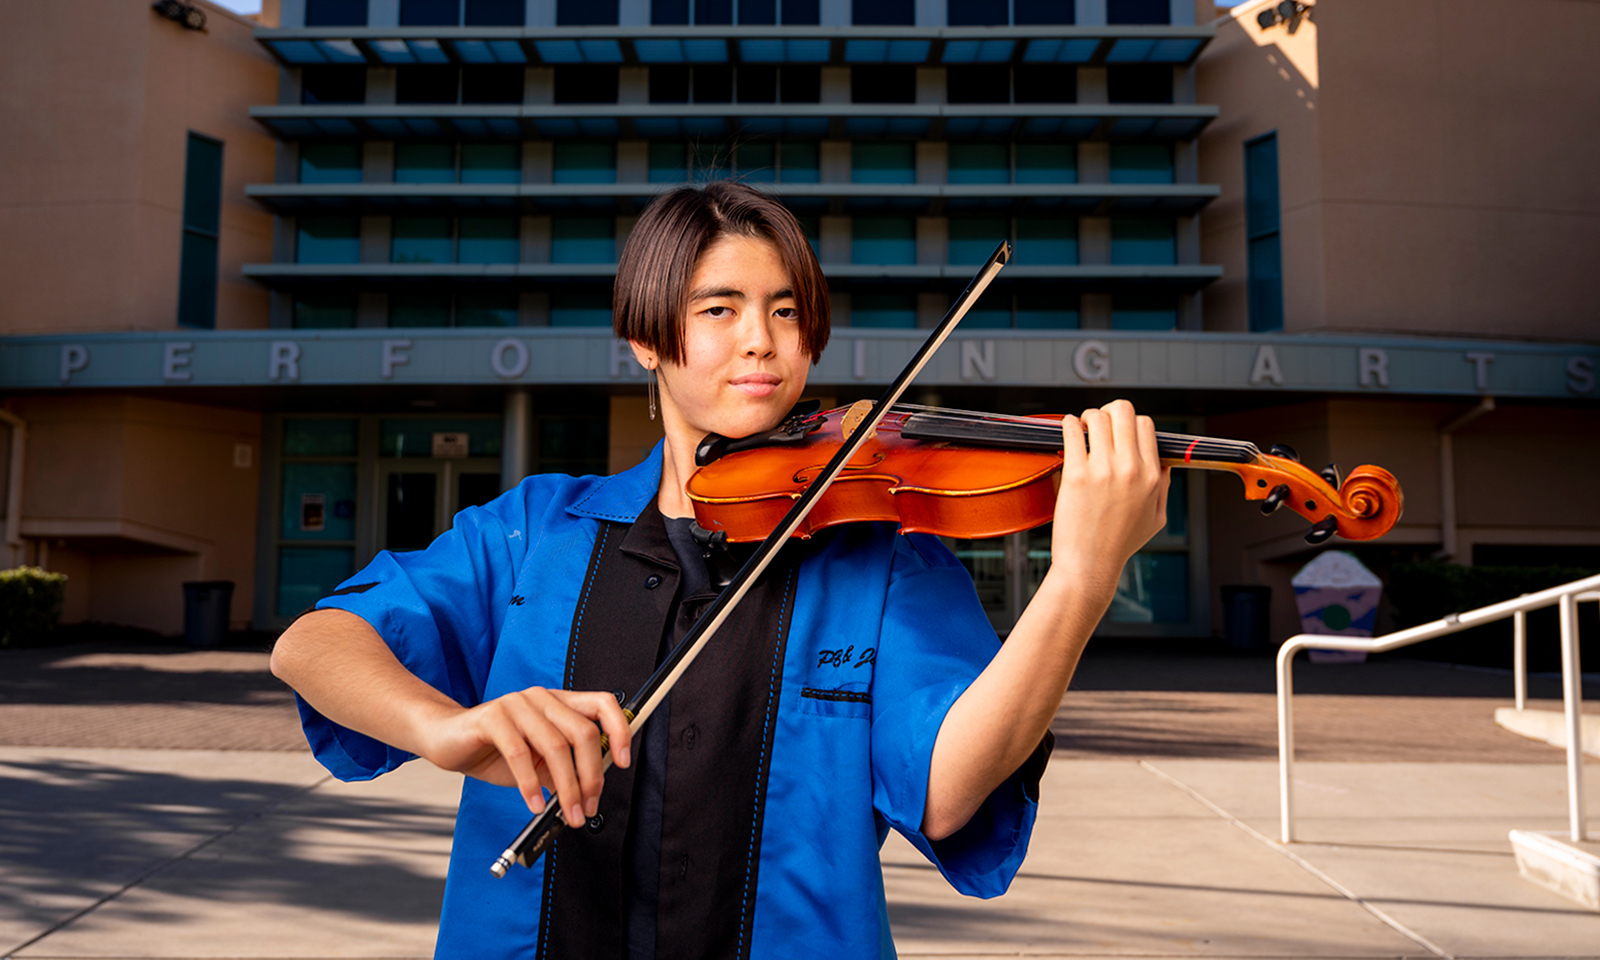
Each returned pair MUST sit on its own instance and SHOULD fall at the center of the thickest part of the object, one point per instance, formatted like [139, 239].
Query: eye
[719, 312]
[786, 313]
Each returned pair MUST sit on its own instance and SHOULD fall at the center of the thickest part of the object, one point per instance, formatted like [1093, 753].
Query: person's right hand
[535, 739]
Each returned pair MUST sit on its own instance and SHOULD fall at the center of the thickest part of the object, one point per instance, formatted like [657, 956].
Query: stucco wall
[99, 100]
[1439, 178]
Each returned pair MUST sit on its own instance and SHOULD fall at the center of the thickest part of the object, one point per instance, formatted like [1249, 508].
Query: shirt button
[597, 823]
[652, 581]
[691, 736]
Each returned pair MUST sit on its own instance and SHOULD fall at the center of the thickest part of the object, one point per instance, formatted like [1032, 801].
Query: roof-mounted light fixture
[1289, 12]
[191, 16]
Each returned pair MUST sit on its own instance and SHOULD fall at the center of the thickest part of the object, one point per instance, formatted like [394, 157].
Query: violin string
[1202, 446]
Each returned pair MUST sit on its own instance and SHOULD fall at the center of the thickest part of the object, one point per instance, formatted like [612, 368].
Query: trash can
[1247, 616]
[206, 605]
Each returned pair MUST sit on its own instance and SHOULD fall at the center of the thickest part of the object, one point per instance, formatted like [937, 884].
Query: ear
[647, 357]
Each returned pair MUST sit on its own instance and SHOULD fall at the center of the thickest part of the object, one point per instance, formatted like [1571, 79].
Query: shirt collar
[621, 498]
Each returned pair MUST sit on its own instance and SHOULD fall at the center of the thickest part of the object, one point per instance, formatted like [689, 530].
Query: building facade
[408, 213]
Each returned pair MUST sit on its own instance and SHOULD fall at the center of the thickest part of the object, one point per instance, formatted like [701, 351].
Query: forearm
[998, 721]
[339, 664]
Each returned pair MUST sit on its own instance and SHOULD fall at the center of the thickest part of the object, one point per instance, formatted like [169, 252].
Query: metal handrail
[1567, 595]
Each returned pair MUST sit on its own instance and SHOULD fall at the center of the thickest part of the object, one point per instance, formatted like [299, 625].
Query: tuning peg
[1322, 530]
[1330, 473]
[1275, 499]
[1285, 451]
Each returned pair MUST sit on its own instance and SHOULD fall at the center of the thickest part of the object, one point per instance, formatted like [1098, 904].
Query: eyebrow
[707, 293]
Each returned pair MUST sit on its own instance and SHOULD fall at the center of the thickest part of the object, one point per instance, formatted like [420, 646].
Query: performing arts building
[279, 292]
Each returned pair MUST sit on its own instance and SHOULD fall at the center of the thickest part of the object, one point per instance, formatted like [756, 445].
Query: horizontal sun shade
[1060, 51]
[783, 51]
[886, 51]
[579, 51]
[488, 51]
[681, 51]
[1145, 50]
[409, 51]
[978, 51]
[317, 51]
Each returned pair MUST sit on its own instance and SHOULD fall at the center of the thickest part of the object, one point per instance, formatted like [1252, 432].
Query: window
[1141, 163]
[426, 84]
[892, 162]
[328, 240]
[978, 83]
[889, 241]
[669, 13]
[580, 310]
[1265, 267]
[488, 240]
[670, 84]
[1145, 312]
[496, 13]
[486, 309]
[1144, 242]
[758, 84]
[424, 163]
[883, 13]
[1139, 83]
[430, 13]
[756, 162]
[758, 12]
[713, 84]
[492, 84]
[1039, 12]
[586, 13]
[324, 311]
[329, 84]
[583, 240]
[414, 309]
[1138, 11]
[422, 240]
[585, 84]
[330, 163]
[883, 83]
[1057, 311]
[979, 163]
[800, 84]
[1046, 83]
[1049, 242]
[972, 239]
[798, 163]
[438, 309]
[800, 13]
[202, 216]
[669, 162]
[585, 162]
[884, 310]
[1047, 163]
[491, 163]
[336, 13]
[978, 13]
[713, 12]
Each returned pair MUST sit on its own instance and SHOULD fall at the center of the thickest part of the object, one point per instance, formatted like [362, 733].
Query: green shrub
[1429, 590]
[30, 605]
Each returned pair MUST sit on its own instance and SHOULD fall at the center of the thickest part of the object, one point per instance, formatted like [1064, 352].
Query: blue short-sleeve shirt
[886, 632]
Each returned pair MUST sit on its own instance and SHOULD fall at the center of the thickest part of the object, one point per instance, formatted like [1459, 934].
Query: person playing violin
[859, 687]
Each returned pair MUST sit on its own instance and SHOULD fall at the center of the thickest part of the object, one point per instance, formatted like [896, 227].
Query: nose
[759, 342]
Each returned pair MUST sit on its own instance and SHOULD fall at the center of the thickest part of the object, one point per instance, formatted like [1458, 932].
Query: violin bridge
[854, 417]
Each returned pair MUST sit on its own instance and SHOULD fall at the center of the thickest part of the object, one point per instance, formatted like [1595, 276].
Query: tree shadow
[73, 832]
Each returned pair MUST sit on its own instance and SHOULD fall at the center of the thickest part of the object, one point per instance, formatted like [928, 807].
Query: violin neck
[1019, 433]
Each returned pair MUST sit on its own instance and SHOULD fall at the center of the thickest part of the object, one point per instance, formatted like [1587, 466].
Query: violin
[961, 473]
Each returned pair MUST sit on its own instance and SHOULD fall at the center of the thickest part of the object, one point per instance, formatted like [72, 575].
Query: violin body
[974, 476]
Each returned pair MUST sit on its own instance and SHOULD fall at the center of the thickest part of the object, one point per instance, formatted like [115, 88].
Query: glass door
[418, 497]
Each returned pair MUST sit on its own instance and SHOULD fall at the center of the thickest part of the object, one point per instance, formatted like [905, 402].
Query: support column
[515, 452]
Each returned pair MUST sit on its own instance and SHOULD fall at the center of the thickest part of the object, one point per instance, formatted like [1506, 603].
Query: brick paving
[1124, 703]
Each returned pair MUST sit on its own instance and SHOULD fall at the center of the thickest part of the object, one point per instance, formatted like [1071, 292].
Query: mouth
[756, 384]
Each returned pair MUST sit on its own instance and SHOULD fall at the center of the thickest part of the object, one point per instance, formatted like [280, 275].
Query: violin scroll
[1365, 506]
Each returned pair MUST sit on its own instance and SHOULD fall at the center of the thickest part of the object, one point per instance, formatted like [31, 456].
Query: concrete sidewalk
[207, 854]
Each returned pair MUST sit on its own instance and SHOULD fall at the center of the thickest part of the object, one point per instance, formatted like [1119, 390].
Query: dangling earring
[650, 388]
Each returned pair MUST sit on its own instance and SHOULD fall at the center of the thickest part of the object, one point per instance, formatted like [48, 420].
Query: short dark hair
[674, 232]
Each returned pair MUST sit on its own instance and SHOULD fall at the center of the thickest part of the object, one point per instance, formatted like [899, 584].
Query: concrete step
[1556, 863]
[1550, 726]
